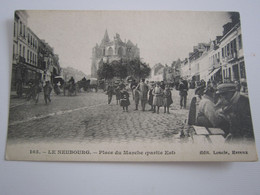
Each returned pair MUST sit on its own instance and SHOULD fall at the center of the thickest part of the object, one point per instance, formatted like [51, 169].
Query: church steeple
[105, 39]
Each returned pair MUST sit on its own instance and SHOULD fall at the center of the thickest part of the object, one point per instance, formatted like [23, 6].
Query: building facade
[221, 60]
[29, 54]
[112, 50]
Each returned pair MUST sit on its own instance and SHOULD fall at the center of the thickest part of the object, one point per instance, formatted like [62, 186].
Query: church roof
[105, 39]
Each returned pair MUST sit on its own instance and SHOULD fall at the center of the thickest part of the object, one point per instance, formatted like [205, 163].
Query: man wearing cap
[207, 115]
[235, 110]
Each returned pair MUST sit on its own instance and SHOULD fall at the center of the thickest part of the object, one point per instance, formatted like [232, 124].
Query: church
[112, 50]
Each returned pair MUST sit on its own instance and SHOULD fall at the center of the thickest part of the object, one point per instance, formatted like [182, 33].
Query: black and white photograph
[129, 86]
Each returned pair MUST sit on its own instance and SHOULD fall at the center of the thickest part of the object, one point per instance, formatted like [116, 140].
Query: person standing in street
[143, 88]
[133, 83]
[162, 85]
[118, 95]
[47, 92]
[167, 99]
[157, 97]
[150, 98]
[110, 91]
[136, 97]
[183, 88]
[124, 100]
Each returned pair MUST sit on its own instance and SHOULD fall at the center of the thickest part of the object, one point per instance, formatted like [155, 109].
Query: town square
[123, 93]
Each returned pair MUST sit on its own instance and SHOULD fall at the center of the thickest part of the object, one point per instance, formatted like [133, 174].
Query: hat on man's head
[226, 87]
[199, 90]
[209, 90]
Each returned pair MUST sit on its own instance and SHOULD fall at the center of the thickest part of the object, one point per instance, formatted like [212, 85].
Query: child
[136, 97]
[167, 99]
[124, 100]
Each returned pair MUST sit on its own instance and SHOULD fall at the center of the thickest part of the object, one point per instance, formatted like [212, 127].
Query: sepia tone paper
[77, 92]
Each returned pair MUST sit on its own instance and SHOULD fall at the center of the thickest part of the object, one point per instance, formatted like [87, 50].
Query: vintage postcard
[129, 86]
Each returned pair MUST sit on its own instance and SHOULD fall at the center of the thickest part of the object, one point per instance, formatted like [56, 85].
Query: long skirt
[157, 100]
[167, 101]
[124, 102]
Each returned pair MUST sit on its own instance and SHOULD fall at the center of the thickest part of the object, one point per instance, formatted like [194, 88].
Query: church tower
[112, 50]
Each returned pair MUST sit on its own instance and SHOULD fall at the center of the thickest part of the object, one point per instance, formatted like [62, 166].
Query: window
[235, 45]
[20, 50]
[231, 47]
[228, 51]
[14, 29]
[110, 51]
[28, 39]
[120, 51]
[242, 70]
[13, 51]
[27, 55]
[239, 42]
[21, 28]
[30, 57]
[24, 31]
[23, 51]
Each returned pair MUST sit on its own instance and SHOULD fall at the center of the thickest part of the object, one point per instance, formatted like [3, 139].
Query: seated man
[235, 110]
[207, 116]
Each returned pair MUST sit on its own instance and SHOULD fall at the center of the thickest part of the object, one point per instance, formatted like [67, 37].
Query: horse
[83, 84]
[70, 87]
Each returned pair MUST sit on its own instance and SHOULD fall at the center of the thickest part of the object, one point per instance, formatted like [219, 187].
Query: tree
[145, 70]
[122, 69]
[105, 71]
[138, 69]
[119, 69]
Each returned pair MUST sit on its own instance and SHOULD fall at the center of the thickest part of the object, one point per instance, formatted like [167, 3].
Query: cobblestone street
[88, 117]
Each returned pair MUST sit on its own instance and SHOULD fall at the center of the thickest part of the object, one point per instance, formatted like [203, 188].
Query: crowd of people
[34, 88]
[156, 95]
[214, 105]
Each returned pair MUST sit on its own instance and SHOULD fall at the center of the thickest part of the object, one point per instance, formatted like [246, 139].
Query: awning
[213, 73]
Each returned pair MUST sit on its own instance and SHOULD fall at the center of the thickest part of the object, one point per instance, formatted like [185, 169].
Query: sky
[162, 36]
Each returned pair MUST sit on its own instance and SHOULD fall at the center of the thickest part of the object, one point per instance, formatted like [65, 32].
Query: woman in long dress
[150, 97]
[157, 97]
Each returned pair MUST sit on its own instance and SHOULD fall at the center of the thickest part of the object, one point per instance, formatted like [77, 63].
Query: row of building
[33, 58]
[221, 60]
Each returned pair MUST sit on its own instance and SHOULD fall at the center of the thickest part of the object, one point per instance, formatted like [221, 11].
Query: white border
[132, 178]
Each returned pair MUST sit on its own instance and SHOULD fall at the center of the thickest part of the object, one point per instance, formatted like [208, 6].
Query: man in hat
[183, 88]
[235, 110]
[206, 110]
